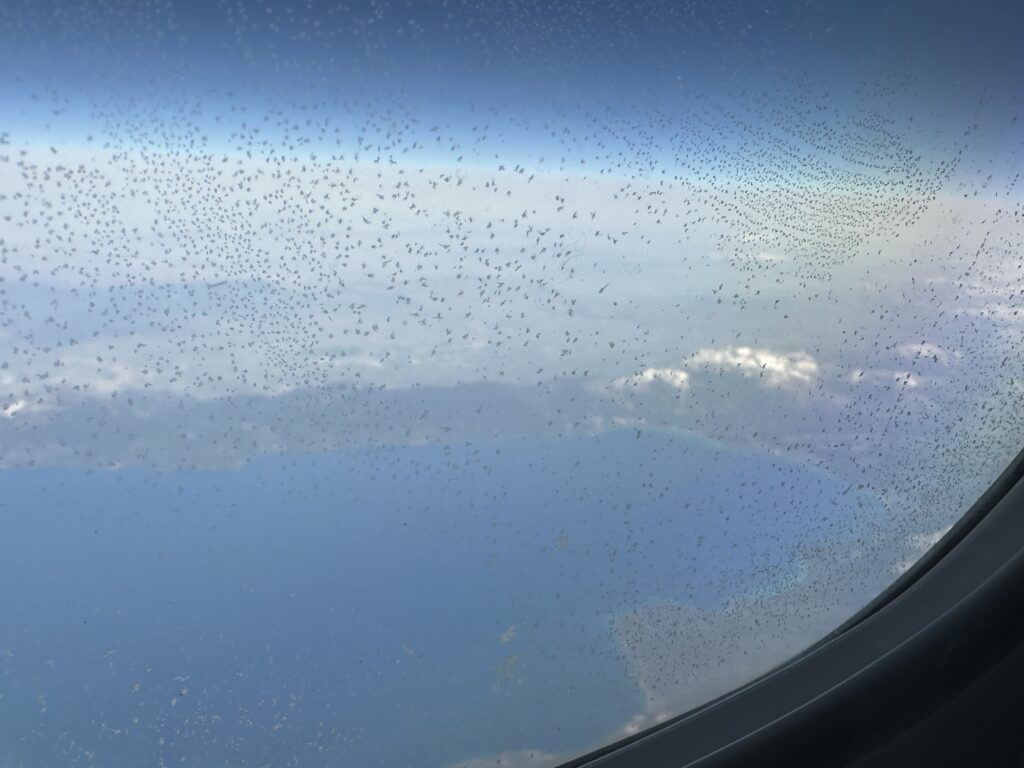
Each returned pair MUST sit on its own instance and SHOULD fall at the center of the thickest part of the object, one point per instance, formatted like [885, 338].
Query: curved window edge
[918, 645]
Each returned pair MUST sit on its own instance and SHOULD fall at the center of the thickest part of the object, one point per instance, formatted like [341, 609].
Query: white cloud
[13, 408]
[919, 543]
[926, 350]
[883, 376]
[776, 367]
[674, 377]
[770, 258]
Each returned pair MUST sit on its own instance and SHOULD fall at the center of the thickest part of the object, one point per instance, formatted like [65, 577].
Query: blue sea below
[399, 606]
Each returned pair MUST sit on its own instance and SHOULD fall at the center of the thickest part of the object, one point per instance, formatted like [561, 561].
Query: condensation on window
[476, 384]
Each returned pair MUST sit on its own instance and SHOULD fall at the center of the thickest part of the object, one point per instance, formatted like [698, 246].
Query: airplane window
[473, 384]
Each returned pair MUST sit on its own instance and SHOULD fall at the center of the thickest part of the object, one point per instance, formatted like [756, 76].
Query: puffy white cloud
[927, 350]
[770, 257]
[919, 543]
[13, 408]
[885, 376]
[925, 541]
[776, 367]
[674, 377]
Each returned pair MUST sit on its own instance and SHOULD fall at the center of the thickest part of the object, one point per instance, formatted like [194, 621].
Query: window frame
[919, 644]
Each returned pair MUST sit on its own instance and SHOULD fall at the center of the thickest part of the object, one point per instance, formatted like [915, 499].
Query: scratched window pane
[472, 384]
